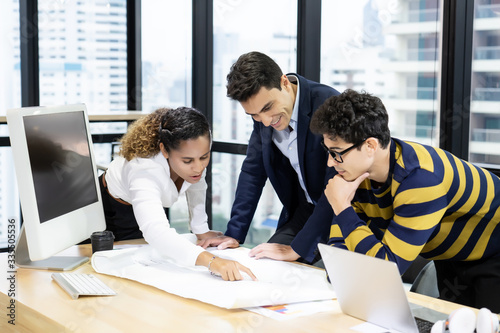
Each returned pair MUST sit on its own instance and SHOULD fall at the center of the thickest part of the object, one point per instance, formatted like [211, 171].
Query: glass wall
[224, 181]
[83, 59]
[166, 28]
[10, 74]
[389, 49]
[166, 53]
[10, 97]
[83, 53]
[484, 145]
[242, 26]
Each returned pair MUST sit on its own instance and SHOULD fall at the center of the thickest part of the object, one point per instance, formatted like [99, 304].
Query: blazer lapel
[304, 117]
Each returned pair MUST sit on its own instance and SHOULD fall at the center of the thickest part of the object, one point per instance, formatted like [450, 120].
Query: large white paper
[278, 282]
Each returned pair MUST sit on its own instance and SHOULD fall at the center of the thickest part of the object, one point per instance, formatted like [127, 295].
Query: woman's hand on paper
[230, 270]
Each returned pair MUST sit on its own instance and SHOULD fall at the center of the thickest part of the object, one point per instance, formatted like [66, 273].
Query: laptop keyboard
[424, 326]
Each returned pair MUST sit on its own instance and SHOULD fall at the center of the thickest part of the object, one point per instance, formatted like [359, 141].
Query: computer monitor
[58, 184]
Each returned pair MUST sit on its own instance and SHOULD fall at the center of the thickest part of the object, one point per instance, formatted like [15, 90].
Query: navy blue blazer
[264, 160]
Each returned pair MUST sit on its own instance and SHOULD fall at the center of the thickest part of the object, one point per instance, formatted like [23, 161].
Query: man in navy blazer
[283, 149]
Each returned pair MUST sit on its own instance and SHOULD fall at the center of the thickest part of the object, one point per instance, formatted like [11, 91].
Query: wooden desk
[42, 306]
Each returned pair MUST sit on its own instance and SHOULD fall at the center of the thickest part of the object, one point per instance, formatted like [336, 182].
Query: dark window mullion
[309, 39]
[456, 71]
[30, 76]
[202, 73]
[134, 55]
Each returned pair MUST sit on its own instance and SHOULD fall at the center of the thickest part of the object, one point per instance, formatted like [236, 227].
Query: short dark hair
[250, 73]
[352, 117]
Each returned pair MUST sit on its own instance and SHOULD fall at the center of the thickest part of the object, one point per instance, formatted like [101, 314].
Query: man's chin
[347, 177]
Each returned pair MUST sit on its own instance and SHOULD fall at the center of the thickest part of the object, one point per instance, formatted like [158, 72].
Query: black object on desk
[102, 240]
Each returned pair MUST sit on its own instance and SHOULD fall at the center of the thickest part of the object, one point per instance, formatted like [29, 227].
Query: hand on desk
[274, 251]
[222, 242]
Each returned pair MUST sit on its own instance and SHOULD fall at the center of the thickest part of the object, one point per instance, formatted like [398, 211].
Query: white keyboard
[76, 284]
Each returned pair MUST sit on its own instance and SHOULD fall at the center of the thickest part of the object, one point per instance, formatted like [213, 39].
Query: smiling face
[272, 107]
[189, 160]
[355, 162]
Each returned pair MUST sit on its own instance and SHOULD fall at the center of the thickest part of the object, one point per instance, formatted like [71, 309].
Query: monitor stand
[56, 263]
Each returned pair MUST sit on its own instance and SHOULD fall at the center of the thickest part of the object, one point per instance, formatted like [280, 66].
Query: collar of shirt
[284, 135]
[295, 112]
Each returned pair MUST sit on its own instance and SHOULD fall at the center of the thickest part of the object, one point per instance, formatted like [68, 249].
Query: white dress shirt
[286, 140]
[146, 184]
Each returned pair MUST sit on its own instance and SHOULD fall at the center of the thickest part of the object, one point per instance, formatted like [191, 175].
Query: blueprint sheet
[278, 282]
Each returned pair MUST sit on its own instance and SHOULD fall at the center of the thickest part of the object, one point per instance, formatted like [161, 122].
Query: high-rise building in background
[233, 37]
[10, 97]
[83, 53]
[393, 53]
[82, 59]
[485, 94]
[392, 50]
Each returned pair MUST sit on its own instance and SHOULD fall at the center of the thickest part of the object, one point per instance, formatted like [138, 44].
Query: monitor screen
[60, 163]
[58, 184]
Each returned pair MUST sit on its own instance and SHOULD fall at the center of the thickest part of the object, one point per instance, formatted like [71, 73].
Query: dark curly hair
[250, 73]
[352, 117]
[168, 126]
[182, 124]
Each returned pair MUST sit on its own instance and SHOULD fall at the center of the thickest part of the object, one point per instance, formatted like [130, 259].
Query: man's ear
[284, 80]
[163, 150]
[372, 144]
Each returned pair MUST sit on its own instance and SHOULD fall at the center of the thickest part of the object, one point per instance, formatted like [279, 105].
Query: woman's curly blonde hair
[144, 136]
[142, 139]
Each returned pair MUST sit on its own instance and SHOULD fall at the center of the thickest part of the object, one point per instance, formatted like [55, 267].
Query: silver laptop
[371, 289]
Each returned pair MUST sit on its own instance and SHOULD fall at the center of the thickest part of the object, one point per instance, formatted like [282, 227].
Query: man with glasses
[283, 150]
[396, 200]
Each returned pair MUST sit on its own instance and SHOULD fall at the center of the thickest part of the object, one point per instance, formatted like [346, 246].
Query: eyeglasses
[338, 156]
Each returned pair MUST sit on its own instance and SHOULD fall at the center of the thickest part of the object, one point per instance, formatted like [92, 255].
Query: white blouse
[146, 184]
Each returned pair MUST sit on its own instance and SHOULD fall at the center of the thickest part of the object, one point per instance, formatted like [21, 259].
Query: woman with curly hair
[163, 156]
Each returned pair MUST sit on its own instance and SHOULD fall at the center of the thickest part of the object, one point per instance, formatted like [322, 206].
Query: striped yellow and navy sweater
[433, 204]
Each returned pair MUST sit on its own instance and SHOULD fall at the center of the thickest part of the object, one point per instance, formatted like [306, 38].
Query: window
[83, 54]
[269, 27]
[241, 27]
[83, 59]
[485, 93]
[389, 49]
[10, 97]
[10, 74]
[166, 53]
[224, 181]
[166, 28]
